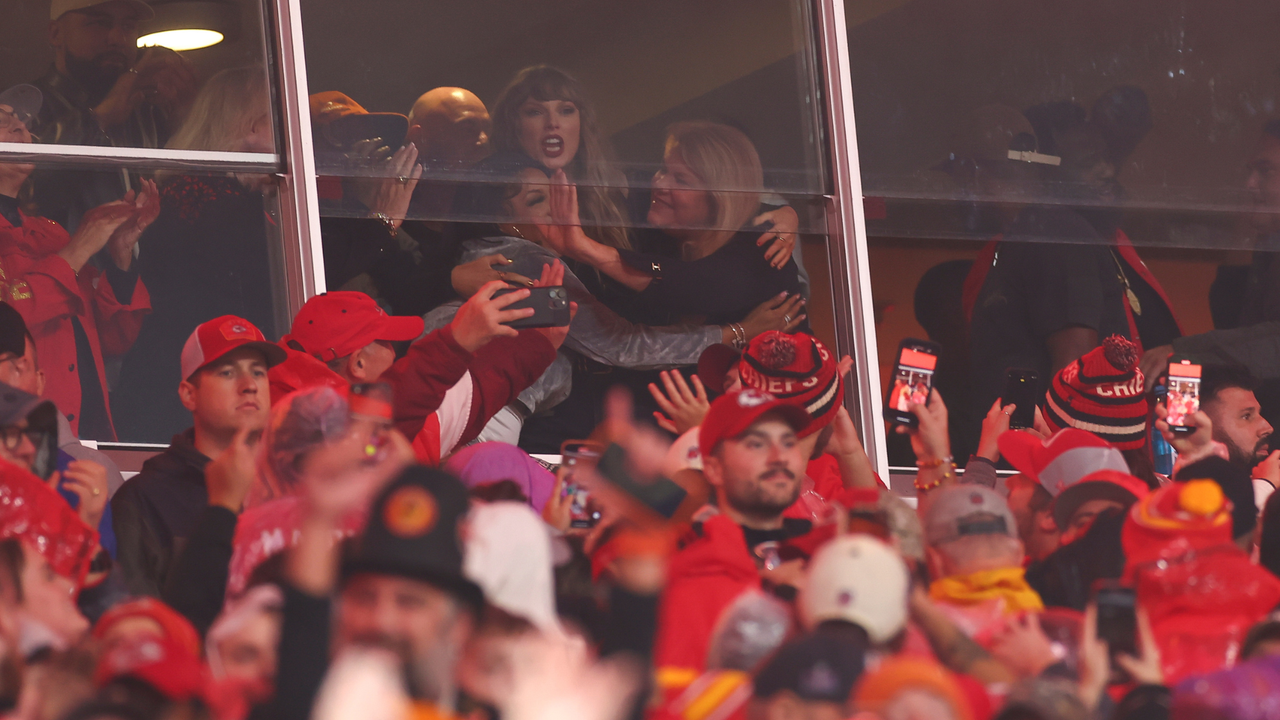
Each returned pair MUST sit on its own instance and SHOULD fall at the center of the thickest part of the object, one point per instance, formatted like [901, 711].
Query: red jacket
[48, 294]
[702, 580]
[421, 379]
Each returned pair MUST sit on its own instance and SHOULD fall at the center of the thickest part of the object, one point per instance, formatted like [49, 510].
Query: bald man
[451, 128]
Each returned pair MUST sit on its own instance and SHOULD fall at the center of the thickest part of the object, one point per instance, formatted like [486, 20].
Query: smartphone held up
[912, 380]
[1182, 399]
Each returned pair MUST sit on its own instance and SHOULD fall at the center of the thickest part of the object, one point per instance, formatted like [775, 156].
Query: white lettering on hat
[751, 397]
[1133, 388]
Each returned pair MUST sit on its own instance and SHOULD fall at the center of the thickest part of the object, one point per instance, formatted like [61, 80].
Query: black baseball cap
[819, 667]
[412, 532]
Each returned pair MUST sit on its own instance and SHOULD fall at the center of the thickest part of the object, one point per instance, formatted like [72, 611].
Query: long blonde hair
[601, 204]
[223, 111]
[729, 167]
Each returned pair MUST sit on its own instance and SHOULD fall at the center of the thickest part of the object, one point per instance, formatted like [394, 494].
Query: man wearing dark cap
[224, 363]
[399, 586]
[811, 677]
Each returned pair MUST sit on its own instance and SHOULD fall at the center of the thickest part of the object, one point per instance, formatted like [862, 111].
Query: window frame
[294, 166]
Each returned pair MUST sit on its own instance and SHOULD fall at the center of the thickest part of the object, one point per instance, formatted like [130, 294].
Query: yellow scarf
[1008, 584]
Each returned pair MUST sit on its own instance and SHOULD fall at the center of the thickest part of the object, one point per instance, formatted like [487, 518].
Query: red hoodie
[702, 580]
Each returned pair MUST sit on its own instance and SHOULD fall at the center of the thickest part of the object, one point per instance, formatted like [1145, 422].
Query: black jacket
[156, 511]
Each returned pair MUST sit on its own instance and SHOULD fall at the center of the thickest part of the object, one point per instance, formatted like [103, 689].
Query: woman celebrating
[544, 114]
[705, 194]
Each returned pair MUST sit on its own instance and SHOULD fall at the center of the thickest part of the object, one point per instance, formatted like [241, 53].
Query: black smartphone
[912, 380]
[550, 307]
[1117, 605]
[1182, 397]
[574, 454]
[1021, 387]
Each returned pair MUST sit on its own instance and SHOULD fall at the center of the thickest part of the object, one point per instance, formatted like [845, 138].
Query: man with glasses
[104, 90]
[20, 368]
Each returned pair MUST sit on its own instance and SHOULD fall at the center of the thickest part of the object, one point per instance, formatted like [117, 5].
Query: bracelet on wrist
[935, 463]
[948, 473]
[387, 222]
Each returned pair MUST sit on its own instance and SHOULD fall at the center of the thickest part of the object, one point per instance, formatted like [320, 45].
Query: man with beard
[1227, 397]
[104, 90]
[398, 586]
[752, 457]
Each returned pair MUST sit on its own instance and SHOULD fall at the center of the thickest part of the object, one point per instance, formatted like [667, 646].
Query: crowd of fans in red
[343, 532]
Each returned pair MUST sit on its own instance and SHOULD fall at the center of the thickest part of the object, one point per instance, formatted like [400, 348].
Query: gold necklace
[1128, 290]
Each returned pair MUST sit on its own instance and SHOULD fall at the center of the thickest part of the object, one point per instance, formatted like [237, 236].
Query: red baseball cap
[732, 413]
[219, 336]
[161, 663]
[335, 324]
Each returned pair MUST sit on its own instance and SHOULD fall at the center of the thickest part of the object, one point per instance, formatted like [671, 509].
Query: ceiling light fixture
[181, 39]
[188, 24]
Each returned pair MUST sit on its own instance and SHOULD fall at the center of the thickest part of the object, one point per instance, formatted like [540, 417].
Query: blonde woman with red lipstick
[544, 113]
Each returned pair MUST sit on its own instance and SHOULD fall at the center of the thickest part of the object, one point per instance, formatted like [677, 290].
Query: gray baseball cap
[25, 101]
[961, 510]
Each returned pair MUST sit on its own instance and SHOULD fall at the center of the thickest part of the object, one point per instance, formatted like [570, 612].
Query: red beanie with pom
[1102, 393]
[798, 369]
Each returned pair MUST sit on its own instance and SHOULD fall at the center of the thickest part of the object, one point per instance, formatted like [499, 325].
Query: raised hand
[781, 312]
[785, 223]
[481, 318]
[95, 230]
[146, 204]
[229, 476]
[88, 480]
[390, 193]
[684, 407]
[469, 277]
[337, 477]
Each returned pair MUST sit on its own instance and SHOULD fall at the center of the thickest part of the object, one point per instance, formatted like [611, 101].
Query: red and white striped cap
[1062, 459]
[219, 336]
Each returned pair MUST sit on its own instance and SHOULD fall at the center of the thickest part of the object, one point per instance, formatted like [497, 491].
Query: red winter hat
[335, 324]
[1175, 519]
[176, 628]
[219, 336]
[33, 512]
[797, 369]
[159, 662]
[1102, 392]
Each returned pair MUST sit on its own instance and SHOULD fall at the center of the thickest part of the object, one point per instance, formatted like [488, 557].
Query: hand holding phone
[550, 307]
[1021, 388]
[1182, 399]
[912, 380]
[574, 456]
